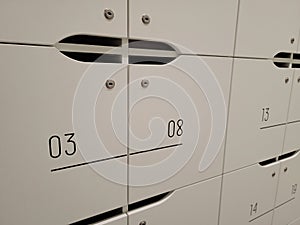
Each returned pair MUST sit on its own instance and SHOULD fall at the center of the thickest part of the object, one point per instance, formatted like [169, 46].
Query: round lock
[146, 19]
[110, 84]
[143, 223]
[285, 169]
[292, 40]
[273, 174]
[109, 14]
[145, 83]
[287, 80]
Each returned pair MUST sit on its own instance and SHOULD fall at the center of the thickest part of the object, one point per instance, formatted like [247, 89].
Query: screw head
[109, 14]
[143, 223]
[145, 83]
[110, 84]
[146, 19]
[292, 40]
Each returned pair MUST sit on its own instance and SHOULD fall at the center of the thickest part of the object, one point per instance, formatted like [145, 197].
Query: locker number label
[265, 114]
[55, 145]
[253, 209]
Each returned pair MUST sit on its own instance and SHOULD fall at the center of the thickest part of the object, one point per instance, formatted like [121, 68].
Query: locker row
[55, 110]
[262, 28]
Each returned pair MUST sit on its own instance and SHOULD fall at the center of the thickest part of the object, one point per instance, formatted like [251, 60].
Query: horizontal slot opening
[92, 40]
[148, 201]
[283, 55]
[268, 161]
[93, 57]
[150, 60]
[150, 45]
[282, 64]
[99, 218]
[296, 65]
[287, 155]
[296, 56]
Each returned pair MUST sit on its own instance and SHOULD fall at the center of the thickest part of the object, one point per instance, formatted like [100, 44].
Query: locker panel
[48, 171]
[176, 24]
[289, 180]
[47, 22]
[288, 213]
[267, 27]
[294, 113]
[248, 194]
[292, 137]
[156, 138]
[258, 111]
[201, 206]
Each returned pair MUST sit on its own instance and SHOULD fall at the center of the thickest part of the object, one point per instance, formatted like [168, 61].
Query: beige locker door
[193, 26]
[47, 22]
[51, 172]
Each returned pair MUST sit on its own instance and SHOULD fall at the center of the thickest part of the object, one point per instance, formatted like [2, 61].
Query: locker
[258, 112]
[292, 138]
[267, 27]
[288, 200]
[248, 194]
[185, 24]
[161, 159]
[196, 204]
[294, 113]
[45, 170]
[45, 22]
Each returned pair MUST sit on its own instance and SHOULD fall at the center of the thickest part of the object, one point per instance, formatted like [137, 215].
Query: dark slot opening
[284, 55]
[148, 201]
[287, 155]
[296, 65]
[282, 64]
[99, 218]
[268, 162]
[150, 60]
[149, 45]
[296, 56]
[93, 57]
[92, 40]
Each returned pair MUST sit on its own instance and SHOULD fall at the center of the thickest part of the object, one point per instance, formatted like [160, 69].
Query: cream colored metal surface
[47, 22]
[145, 110]
[195, 203]
[294, 113]
[267, 27]
[118, 220]
[292, 138]
[37, 92]
[248, 194]
[259, 105]
[185, 24]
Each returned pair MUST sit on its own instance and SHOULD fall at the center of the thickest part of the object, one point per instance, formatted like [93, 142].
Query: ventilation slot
[148, 201]
[86, 48]
[150, 53]
[99, 218]
[283, 60]
[268, 162]
[296, 60]
[288, 155]
[92, 40]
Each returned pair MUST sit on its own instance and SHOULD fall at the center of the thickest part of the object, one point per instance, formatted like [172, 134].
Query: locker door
[258, 111]
[199, 27]
[170, 124]
[196, 204]
[292, 140]
[288, 198]
[248, 195]
[47, 22]
[50, 167]
[267, 27]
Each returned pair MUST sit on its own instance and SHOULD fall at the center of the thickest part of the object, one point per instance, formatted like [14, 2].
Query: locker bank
[134, 112]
